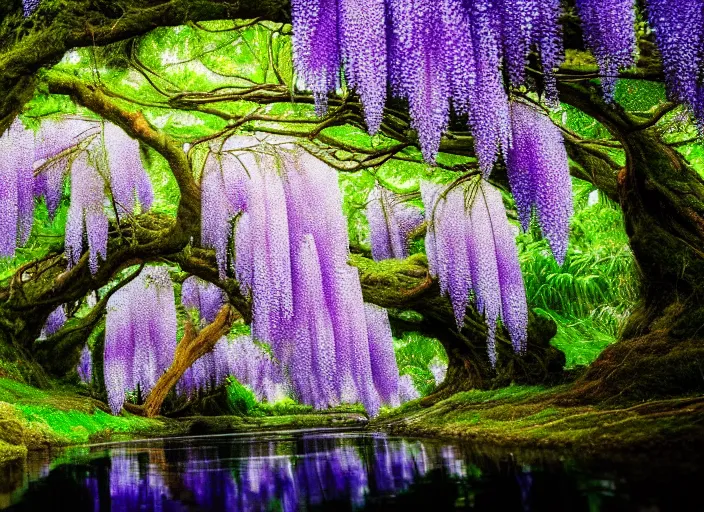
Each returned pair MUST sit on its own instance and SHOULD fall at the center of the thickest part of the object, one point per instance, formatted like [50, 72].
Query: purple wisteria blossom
[609, 32]
[85, 366]
[207, 298]
[475, 255]
[391, 221]
[140, 334]
[539, 175]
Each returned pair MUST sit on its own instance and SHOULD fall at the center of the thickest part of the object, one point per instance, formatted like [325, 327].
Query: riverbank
[534, 417]
[34, 419]
[514, 417]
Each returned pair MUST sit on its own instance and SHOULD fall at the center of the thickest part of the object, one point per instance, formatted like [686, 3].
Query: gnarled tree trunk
[662, 347]
[661, 351]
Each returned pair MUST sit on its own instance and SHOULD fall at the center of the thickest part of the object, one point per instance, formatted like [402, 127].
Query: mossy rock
[9, 453]
[11, 432]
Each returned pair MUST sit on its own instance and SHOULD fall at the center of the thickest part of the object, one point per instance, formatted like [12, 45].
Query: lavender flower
[391, 221]
[16, 188]
[85, 366]
[363, 39]
[679, 34]
[438, 369]
[474, 254]
[29, 6]
[204, 297]
[316, 47]
[609, 32]
[382, 356]
[140, 334]
[86, 213]
[406, 390]
[129, 182]
[539, 175]
[54, 322]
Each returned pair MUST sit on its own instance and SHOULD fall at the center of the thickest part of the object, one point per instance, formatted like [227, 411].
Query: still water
[338, 471]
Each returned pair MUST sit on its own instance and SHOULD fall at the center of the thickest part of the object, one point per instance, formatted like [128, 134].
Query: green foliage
[592, 293]
[241, 397]
[414, 352]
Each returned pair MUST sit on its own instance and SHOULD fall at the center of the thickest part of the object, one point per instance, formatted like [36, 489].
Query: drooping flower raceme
[85, 366]
[539, 175]
[474, 254]
[16, 188]
[98, 164]
[292, 250]
[391, 221]
[439, 369]
[129, 182]
[363, 41]
[223, 196]
[316, 47]
[54, 322]
[609, 32]
[382, 355]
[140, 334]
[679, 33]
[406, 390]
[204, 297]
[86, 214]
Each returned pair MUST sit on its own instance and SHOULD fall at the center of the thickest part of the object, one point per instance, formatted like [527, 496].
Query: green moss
[534, 417]
[74, 427]
[10, 452]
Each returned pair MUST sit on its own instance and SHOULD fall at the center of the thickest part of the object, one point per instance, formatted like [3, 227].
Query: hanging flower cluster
[406, 390]
[391, 221]
[609, 34]
[140, 334]
[382, 355]
[16, 188]
[29, 6]
[472, 251]
[539, 175]
[679, 33]
[292, 248]
[96, 164]
[204, 297]
[85, 366]
[241, 358]
[438, 369]
[434, 55]
[223, 195]
[54, 322]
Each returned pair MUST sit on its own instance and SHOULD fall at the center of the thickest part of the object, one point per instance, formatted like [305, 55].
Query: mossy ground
[516, 416]
[31, 418]
[535, 417]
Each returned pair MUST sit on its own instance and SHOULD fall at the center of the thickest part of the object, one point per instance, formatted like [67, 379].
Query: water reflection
[314, 471]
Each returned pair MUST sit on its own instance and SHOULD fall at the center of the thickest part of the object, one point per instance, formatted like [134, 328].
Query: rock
[11, 432]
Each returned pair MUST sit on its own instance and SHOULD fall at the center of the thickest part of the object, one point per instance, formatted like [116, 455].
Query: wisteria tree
[468, 90]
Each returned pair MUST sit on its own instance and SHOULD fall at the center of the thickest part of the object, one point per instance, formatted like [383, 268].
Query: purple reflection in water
[293, 474]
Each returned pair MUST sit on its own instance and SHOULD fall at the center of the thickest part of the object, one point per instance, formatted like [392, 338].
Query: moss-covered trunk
[662, 346]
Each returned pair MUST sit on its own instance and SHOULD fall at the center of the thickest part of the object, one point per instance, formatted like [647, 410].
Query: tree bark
[661, 351]
[191, 348]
